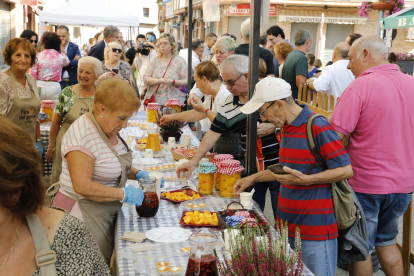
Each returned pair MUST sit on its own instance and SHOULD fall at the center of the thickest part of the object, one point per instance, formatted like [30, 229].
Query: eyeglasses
[33, 41]
[310, 40]
[271, 39]
[116, 50]
[262, 113]
[232, 82]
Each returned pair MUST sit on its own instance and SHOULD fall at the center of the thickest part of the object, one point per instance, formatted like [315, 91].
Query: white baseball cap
[268, 89]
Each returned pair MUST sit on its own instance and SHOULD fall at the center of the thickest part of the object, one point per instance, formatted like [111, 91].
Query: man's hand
[241, 185]
[198, 105]
[186, 167]
[165, 119]
[62, 49]
[265, 129]
[293, 178]
[77, 57]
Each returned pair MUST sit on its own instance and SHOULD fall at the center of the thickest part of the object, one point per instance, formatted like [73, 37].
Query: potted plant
[390, 6]
[171, 129]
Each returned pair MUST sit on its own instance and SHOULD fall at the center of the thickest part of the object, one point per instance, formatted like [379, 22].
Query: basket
[178, 156]
[222, 214]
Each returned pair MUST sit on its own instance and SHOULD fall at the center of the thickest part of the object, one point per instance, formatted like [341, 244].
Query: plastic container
[150, 205]
[230, 172]
[216, 161]
[152, 110]
[48, 107]
[206, 172]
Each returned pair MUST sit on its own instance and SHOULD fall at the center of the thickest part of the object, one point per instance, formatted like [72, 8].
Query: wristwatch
[277, 130]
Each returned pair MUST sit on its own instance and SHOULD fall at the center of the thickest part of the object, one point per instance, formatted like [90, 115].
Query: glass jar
[216, 161]
[150, 204]
[152, 110]
[206, 172]
[230, 172]
[153, 141]
[48, 107]
[202, 260]
[217, 181]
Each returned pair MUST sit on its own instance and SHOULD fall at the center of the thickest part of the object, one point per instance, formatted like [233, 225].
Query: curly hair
[311, 58]
[21, 182]
[171, 39]
[13, 44]
[283, 49]
[50, 40]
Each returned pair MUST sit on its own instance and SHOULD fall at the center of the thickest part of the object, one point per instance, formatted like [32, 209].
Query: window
[146, 12]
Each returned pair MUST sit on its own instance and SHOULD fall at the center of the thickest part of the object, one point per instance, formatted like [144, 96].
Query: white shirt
[334, 79]
[66, 74]
[210, 104]
[194, 61]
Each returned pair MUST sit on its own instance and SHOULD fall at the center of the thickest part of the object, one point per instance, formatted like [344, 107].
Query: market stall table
[44, 133]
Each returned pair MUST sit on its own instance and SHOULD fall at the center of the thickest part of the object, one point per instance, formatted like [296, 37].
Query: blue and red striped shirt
[309, 207]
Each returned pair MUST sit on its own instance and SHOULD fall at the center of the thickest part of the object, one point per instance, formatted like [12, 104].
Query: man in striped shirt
[234, 70]
[305, 200]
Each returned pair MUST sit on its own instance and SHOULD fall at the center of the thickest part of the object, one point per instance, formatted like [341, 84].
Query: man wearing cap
[234, 71]
[304, 199]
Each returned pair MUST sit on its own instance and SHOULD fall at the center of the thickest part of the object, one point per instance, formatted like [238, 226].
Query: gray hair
[110, 30]
[97, 64]
[62, 27]
[245, 29]
[195, 43]
[374, 44]
[227, 42]
[301, 36]
[240, 62]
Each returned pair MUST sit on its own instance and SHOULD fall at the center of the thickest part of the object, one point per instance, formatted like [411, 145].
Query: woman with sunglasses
[31, 36]
[113, 66]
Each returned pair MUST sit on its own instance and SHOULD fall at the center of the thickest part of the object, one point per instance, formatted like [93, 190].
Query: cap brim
[250, 107]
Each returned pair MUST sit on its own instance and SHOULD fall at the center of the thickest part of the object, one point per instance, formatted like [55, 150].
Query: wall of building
[399, 44]
[4, 26]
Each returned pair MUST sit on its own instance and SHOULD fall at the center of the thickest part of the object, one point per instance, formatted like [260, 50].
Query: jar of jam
[202, 260]
[175, 105]
[216, 161]
[153, 141]
[150, 204]
[230, 172]
[206, 172]
[152, 109]
[48, 107]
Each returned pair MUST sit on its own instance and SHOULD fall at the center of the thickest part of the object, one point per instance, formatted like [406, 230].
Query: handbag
[152, 99]
[343, 202]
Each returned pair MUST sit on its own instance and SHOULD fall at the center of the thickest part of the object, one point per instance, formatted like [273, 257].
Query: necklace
[11, 249]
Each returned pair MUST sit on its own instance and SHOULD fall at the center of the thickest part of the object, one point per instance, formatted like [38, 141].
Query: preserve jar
[175, 105]
[230, 172]
[150, 204]
[202, 260]
[153, 141]
[48, 107]
[152, 109]
[206, 172]
[216, 161]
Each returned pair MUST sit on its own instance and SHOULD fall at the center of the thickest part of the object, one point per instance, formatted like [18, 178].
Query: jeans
[319, 256]
[382, 213]
[260, 194]
[64, 84]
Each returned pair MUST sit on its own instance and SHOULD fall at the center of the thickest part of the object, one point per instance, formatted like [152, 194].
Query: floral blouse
[66, 100]
[124, 69]
[49, 65]
[7, 95]
[176, 71]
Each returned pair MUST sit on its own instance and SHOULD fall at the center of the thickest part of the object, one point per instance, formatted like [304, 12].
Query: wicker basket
[178, 156]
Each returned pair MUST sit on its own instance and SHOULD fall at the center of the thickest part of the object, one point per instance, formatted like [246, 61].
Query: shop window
[146, 12]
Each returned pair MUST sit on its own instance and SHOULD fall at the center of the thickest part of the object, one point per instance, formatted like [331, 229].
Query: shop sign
[28, 2]
[329, 20]
[244, 9]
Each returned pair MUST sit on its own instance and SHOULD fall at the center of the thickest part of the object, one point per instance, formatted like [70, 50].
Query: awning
[176, 25]
[330, 17]
[401, 19]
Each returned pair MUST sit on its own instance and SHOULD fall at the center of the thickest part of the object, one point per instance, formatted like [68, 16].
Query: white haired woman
[223, 48]
[73, 102]
[165, 73]
[114, 66]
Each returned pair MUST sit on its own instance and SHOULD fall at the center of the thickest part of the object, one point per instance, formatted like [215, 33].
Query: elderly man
[376, 111]
[243, 49]
[336, 78]
[211, 39]
[234, 71]
[304, 199]
[295, 68]
[110, 33]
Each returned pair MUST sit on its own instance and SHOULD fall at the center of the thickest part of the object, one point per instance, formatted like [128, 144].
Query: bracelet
[205, 111]
[173, 82]
[123, 199]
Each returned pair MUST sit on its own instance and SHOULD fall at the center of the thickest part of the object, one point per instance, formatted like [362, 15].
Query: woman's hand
[198, 105]
[165, 119]
[49, 154]
[161, 80]
[168, 81]
[118, 76]
[133, 195]
[106, 76]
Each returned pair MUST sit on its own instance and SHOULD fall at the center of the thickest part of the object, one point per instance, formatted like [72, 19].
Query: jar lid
[48, 104]
[230, 167]
[221, 157]
[206, 167]
[171, 102]
[153, 106]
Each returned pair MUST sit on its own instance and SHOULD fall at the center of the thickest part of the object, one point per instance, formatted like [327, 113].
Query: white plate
[168, 234]
[148, 161]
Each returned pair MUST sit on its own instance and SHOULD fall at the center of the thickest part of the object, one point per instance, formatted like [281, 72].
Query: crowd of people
[96, 94]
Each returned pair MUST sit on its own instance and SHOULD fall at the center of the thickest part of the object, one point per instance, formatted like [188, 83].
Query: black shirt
[266, 55]
[130, 54]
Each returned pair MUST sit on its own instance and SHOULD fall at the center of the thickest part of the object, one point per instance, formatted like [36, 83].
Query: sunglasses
[232, 82]
[262, 113]
[33, 41]
[116, 50]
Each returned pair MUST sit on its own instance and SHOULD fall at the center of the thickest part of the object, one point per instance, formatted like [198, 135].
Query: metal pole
[251, 130]
[189, 43]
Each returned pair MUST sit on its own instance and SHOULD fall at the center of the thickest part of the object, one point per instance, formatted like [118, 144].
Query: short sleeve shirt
[66, 99]
[130, 54]
[295, 64]
[309, 207]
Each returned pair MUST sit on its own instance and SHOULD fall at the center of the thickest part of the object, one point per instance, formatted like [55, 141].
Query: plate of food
[181, 195]
[203, 219]
[161, 168]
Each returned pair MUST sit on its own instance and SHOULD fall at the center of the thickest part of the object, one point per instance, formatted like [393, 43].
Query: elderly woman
[48, 67]
[31, 36]
[19, 97]
[97, 163]
[74, 101]
[282, 50]
[113, 66]
[22, 207]
[165, 73]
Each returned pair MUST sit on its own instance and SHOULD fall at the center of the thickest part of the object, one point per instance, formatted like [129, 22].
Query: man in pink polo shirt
[377, 111]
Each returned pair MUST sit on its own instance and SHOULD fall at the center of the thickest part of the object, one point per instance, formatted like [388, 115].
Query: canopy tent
[401, 19]
[87, 13]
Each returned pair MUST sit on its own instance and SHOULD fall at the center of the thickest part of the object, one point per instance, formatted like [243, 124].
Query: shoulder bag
[152, 99]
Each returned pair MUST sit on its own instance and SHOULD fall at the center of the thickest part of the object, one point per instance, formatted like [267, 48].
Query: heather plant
[174, 125]
[256, 252]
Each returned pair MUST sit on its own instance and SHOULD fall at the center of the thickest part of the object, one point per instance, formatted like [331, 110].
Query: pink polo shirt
[377, 109]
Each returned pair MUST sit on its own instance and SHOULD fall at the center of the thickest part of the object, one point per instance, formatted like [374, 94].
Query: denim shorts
[382, 213]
